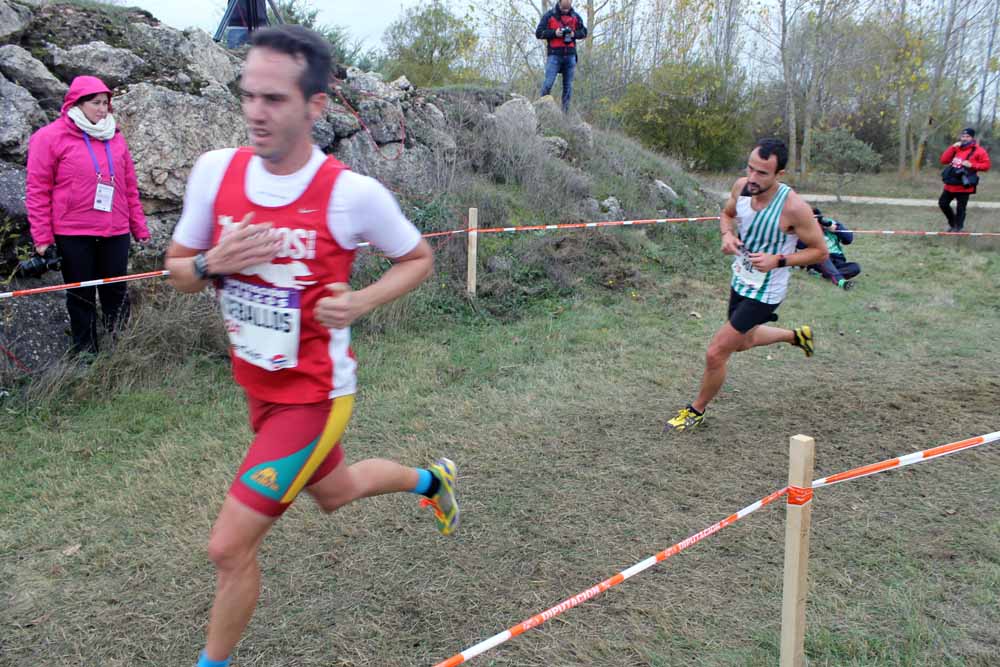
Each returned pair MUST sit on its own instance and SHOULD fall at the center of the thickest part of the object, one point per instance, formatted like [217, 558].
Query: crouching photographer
[835, 268]
[964, 159]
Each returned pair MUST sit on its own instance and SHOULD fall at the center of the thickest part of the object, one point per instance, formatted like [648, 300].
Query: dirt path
[892, 201]
[880, 201]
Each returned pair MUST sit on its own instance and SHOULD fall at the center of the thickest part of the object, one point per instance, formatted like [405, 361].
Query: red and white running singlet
[280, 353]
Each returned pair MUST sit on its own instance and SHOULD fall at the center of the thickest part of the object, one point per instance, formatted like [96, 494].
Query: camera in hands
[38, 265]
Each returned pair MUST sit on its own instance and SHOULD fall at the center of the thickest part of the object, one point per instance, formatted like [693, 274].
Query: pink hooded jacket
[61, 181]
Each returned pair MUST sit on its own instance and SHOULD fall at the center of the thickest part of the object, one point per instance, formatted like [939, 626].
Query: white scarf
[103, 130]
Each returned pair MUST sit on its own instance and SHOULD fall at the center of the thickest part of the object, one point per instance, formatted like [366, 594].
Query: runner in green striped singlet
[761, 222]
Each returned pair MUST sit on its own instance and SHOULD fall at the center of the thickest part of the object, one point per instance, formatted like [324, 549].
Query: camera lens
[32, 268]
[37, 266]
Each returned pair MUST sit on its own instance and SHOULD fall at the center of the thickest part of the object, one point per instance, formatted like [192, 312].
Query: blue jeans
[236, 36]
[559, 64]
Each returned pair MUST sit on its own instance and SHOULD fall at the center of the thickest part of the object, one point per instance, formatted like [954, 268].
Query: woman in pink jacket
[82, 196]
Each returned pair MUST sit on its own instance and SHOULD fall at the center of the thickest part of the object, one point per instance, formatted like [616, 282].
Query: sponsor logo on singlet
[295, 243]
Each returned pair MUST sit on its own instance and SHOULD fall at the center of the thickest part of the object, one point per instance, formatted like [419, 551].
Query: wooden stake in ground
[793, 605]
[473, 246]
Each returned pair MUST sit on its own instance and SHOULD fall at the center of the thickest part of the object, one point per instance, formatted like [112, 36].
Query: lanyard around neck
[93, 158]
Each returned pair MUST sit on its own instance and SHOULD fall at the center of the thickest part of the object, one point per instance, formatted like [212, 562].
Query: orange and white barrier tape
[429, 235]
[593, 592]
[796, 496]
[492, 230]
[909, 459]
[657, 221]
[890, 232]
[86, 283]
[570, 225]
[583, 225]
[626, 223]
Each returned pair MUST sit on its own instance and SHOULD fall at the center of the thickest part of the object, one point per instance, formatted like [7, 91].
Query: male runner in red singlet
[275, 226]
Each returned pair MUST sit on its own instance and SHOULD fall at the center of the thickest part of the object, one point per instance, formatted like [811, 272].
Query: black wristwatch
[782, 261]
[201, 268]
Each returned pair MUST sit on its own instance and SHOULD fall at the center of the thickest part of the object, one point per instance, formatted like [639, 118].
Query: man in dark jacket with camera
[561, 27]
[964, 158]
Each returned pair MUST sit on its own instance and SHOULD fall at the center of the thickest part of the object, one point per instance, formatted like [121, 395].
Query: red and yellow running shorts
[294, 446]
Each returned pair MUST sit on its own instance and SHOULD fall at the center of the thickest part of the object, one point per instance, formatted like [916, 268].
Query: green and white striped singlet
[760, 231]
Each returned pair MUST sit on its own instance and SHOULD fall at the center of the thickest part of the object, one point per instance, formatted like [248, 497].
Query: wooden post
[793, 606]
[473, 246]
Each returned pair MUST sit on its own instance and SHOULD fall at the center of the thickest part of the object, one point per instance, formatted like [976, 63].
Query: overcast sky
[365, 20]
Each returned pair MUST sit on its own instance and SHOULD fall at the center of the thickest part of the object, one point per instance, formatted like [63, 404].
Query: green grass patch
[926, 185]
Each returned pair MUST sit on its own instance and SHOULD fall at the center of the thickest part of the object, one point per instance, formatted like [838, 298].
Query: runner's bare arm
[727, 222]
[803, 224]
[344, 306]
[180, 263]
[241, 246]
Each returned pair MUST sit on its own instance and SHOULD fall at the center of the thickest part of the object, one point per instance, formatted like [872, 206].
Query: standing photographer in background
[561, 27]
[82, 197]
[964, 158]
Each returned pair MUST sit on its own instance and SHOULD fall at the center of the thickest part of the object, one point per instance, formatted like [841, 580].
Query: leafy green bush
[428, 43]
[839, 152]
[686, 110]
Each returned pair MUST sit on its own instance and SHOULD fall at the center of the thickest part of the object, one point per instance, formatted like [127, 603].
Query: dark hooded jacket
[554, 19]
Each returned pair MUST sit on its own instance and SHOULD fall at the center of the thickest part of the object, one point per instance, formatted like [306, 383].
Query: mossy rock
[71, 24]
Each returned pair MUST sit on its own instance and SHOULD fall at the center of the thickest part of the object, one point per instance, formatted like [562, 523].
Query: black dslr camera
[38, 265]
[959, 176]
[567, 35]
[821, 219]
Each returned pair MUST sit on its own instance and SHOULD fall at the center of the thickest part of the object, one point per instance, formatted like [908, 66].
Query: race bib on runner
[263, 323]
[744, 269]
[104, 198]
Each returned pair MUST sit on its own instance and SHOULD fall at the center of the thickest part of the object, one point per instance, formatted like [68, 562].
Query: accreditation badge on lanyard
[104, 198]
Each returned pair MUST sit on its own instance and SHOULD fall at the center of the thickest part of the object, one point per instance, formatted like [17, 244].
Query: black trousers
[836, 267]
[956, 218]
[89, 258]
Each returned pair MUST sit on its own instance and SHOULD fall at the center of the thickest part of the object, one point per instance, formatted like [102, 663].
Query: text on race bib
[263, 323]
[744, 269]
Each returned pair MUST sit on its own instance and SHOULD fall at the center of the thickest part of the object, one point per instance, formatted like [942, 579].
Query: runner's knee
[229, 555]
[717, 355]
[749, 341]
[330, 503]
